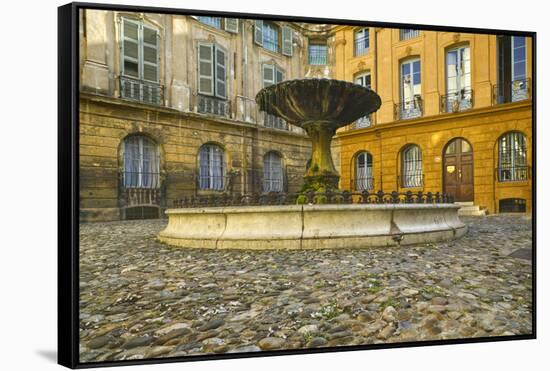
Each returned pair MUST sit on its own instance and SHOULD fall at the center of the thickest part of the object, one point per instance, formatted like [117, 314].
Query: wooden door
[458, 170]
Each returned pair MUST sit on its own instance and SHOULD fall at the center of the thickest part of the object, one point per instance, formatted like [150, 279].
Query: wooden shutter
[232, 25]
[258, 32]
[287, 41]
[279, 76]
[221, 75]
[150, 54]
[206, 68]
[130, 48]
[268, 77]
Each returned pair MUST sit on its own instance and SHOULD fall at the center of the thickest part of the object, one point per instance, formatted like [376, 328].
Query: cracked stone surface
[142, 299]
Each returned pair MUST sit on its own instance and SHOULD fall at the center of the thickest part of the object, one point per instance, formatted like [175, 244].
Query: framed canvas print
[236, 185]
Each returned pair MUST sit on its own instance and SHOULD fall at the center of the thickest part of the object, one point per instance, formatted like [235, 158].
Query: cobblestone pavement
[142, 299]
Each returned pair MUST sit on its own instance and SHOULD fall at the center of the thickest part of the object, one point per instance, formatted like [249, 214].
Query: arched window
[273, 172]
[411, 166]
[512, 157]
[211, 167]
[141, 163]
[363, 171]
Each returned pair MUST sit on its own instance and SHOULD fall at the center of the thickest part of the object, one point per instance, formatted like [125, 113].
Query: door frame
[443, 165]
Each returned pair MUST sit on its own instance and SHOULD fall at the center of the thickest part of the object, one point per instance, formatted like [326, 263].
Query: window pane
[131, 30]
[149, 36]
[150, 72]
[150, 54]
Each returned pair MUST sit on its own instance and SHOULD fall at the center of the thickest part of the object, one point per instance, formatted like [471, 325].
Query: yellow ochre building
[456, 115]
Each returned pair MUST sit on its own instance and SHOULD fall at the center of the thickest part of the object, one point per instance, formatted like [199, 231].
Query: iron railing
[211, 21]
[409, 109]
[274, 122]
[457, 101]
[361, 45]
[311, 197]
[141, 90]
[140, 188]
[363, 122]
[513, 173]
[514, 91]
[213, 106]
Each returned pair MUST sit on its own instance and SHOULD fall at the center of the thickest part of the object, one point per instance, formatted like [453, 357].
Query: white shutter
[206, 69]
[221, 75]
[279, 76]
[232, 25]
[268, 72]
[130, 48]
[150, 54]
[287, 41]
[258, 32]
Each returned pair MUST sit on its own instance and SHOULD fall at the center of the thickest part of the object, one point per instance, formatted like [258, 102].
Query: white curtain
[211, 167]
[412, 167]
[141, 163]
[363, 171]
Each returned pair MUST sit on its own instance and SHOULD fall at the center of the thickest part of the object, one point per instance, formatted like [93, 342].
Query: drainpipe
[377, 133]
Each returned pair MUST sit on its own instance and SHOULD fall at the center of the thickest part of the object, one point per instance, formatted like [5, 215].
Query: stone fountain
[319, 106]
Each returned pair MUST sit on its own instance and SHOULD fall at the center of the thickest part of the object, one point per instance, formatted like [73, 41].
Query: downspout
[378, 134]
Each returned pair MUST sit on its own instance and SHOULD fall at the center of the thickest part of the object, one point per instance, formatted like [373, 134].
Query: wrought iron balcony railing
[213, 106]
[311, 197]
[363, 122]
[362, 184]
[514, 91]
[140, 188]
[274, 122]
[406, 34]
[317, 56]
[457, 101]
[513, 173]
[408, 109]
[141, 91]
[361, 46]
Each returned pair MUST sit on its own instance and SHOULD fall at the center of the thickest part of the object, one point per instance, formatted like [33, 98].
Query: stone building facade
[456, 115]
[167, 109]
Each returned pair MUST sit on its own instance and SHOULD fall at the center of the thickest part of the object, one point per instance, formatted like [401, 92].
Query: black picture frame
[68, 184]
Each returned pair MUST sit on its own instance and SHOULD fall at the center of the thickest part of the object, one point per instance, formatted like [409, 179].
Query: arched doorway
[458, 170]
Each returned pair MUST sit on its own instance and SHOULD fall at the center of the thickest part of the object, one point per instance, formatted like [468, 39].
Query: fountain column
[321, 171]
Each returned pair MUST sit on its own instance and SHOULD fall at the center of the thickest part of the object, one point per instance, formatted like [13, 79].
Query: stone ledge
[312, 226]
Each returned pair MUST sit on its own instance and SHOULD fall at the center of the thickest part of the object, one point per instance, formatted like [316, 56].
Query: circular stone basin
[312, 226]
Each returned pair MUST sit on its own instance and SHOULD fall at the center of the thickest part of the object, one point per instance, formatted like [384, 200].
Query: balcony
[141, 91]
[140, 188]
[457, 101]
[407, 34]
[213, 106]
[408, 109]
[317, 55]
[361, 46]
[274, 122]
[513, 91]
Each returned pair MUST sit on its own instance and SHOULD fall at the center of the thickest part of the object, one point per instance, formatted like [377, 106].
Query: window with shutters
[363, 79]
[363, 172]
[228, 24]
[458, 73]
[273, 172]
[273, 38]
[140, 65]
[272, 74]
[211, 167]
[513, 84]
[411, 166]
[212, 79]
[411, 90]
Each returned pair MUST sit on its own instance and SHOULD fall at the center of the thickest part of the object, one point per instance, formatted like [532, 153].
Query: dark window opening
[512, 205]
[142, 212]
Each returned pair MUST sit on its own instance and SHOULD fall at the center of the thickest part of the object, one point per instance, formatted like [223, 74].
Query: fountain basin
[311, 226]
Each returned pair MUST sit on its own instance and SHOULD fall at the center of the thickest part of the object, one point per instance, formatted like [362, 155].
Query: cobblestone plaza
[142, 299]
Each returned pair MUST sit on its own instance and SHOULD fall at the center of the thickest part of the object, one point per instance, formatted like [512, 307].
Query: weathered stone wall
[105, 122]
